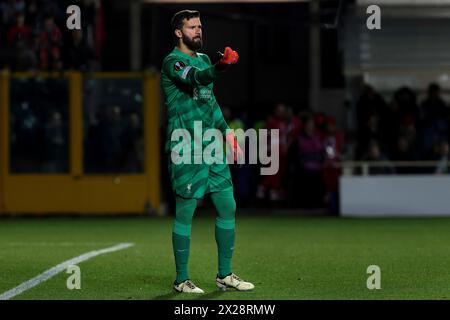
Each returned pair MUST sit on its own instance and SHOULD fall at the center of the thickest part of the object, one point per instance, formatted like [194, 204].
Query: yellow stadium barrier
[76, 191]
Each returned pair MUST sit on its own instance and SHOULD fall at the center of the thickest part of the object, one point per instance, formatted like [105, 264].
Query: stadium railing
[405, 189]
[363, 167]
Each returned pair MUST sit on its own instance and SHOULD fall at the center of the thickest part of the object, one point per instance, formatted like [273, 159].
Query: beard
[193, 44]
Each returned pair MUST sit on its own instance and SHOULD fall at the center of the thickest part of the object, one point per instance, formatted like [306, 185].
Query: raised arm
[179, 71]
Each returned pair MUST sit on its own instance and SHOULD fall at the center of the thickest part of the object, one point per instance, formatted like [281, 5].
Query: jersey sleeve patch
[178, 65]
[185, 72]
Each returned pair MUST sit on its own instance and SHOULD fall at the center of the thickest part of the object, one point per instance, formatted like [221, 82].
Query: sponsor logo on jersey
[202, 93]
[178, 65]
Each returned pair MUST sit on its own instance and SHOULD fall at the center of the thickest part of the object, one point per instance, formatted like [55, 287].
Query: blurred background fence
[75, 142]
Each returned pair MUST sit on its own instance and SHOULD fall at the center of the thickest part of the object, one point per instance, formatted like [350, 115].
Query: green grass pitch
[285, 257]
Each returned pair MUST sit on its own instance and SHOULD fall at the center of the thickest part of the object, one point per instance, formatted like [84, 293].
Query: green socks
[225, 247]
[181, 236]
[225, 229]
[181, 252]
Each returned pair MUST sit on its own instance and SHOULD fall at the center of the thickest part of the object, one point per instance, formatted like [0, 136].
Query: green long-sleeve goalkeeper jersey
[187, 83]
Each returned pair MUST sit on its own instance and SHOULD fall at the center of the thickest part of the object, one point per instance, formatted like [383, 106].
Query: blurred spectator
[403, 106]
[320, 123]
[374, 154]
[311, 160]
[93, 25]
[408, 130]
[435, 115]
[32, 14]
[274, 183]
[406, 100]
[242, 175]
[369, 103]
[442, 158]
[21, 45]
[26, 151]
[25, 58]
[434, 107]
[107, 135]
[9, 8]
[233, 122]
[55, 135]
[19, 32]
[88, 7]
[405, 151]
[78, 55]
[369, 131]
[50, 42]
[333, 143]
[132, 143]
[294, 125]
[257, 125]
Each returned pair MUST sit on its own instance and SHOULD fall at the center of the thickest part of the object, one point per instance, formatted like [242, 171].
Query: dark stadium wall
[116, 53]
[272, 41]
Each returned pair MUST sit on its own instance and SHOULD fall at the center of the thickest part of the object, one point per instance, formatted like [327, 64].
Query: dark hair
[177, 19]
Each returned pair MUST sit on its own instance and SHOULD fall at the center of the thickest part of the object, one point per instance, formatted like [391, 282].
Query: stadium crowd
[33, 35]
[311, 145]
[403, 129]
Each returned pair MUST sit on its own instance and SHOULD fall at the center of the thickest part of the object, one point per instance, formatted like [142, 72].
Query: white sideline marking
[56, 244]
[57, 269]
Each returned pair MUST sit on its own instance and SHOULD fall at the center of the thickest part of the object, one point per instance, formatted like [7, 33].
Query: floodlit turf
[285, 257]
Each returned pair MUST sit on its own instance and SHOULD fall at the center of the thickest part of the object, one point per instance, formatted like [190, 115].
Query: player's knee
[228, 211]
[232, 207]
[225, 204]
[185, 209]
[181, 229]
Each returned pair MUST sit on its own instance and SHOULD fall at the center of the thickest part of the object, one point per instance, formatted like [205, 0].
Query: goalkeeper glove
[229, 57]
[238, 155]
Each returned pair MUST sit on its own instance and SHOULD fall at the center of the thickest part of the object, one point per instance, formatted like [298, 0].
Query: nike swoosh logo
[182, 250]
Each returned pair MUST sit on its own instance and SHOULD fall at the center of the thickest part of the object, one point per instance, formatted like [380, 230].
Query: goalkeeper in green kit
[187, 82]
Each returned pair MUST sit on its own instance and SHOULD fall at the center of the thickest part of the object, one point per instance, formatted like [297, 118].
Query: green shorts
[193, 181]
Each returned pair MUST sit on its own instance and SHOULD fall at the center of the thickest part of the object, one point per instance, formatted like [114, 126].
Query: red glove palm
[229, 57]
[238, 155]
